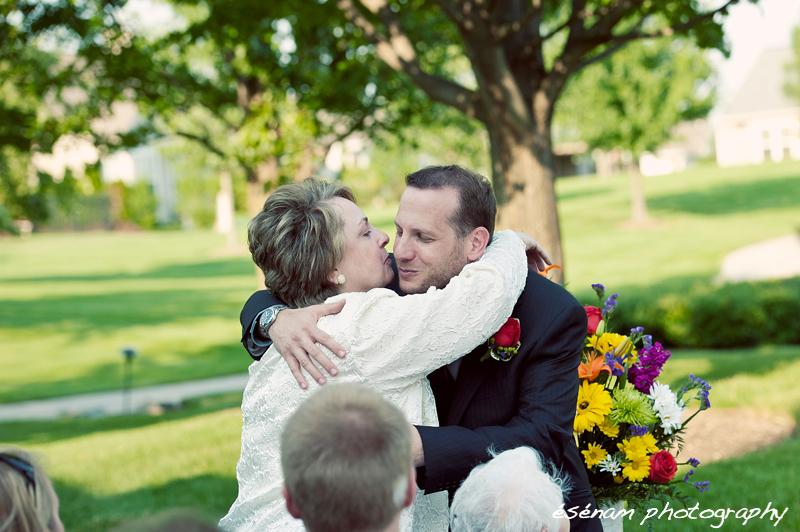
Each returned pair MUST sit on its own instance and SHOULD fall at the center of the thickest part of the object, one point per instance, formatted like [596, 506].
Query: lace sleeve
[396, 339]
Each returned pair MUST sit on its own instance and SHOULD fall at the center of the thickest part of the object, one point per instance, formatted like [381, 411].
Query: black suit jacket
[529, 400]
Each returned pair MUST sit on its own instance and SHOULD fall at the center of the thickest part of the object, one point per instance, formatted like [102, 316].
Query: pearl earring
[340, 279]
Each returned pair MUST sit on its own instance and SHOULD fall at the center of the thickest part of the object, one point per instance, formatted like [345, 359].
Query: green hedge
[731, 315]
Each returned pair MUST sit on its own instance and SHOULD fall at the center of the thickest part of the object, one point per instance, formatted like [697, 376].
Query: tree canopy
[521, 55]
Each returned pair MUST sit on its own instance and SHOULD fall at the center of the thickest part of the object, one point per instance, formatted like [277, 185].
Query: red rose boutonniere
[503, 344]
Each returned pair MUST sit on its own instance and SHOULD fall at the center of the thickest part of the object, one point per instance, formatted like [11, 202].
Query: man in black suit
[529, 400]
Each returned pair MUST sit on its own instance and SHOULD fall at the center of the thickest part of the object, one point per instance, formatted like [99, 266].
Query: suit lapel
[470, 377]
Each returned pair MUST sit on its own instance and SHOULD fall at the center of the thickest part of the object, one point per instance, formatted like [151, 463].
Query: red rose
[595, 317]
[662, 466]
[508, 335]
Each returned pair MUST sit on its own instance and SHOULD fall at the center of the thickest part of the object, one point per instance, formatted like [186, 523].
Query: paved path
[111, 403]
[776, 258]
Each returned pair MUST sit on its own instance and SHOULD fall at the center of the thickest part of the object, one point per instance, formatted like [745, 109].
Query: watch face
[266, 320]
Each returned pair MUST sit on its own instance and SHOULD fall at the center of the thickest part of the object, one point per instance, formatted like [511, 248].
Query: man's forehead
[429, 207]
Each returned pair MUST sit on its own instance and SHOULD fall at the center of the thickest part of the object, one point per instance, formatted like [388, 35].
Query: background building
[761, 123]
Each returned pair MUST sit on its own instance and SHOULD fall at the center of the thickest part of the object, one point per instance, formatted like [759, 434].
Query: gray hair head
[511, 493]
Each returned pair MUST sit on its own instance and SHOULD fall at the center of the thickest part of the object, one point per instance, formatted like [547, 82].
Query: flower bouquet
[628, 425]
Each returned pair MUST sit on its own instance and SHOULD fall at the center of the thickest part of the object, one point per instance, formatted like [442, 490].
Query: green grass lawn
[697, 216]
[70, 302]
[112, 470]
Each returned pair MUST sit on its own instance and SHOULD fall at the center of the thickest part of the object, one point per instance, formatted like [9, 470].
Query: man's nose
[401, 250]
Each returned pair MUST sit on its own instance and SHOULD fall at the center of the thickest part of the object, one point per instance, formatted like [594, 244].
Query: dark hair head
[477, 206]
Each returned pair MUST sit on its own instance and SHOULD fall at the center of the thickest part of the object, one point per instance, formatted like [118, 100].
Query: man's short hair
[297, 240]
[346, 458]
[510, 493]
[477, 206]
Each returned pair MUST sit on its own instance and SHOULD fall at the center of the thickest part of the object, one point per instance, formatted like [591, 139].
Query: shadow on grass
[732, 198]
[213, 361]
[594, 187]
[761, 479]
[85, 512]
[217, 268]
[118, 310]
[729, 363]
[28, 433]
[672, 285]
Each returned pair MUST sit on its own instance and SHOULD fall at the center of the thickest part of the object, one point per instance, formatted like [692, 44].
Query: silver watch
[268, 318]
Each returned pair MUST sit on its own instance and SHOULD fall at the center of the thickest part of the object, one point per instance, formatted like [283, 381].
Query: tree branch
[619, 41]
[504, 31]
[202, 140]
[397, 51]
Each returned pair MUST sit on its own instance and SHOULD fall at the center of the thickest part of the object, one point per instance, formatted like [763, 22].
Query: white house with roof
[762, 122]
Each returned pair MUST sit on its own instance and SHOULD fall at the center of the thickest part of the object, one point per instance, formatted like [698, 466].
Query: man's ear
[475, 243]
[294, 511]
[411, 490]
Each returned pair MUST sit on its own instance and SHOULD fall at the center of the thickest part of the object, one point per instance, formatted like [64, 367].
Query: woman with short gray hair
[313, 242]
[510, 493]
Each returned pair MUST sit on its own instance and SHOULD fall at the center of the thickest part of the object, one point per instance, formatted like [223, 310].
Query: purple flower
[611, 302]
[617, 364]
[705, 401]
[638, 431]
[646, 371]
[648, 341]
[600, 289]
[694, 462]
[702, 486]
[698, 383]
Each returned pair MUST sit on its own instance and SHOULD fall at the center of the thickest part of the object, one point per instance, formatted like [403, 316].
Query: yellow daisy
[633, 448]
[608, 428]
[594, 403]
[637, 469]
[649, 442]
[594, 455]
[608, 342]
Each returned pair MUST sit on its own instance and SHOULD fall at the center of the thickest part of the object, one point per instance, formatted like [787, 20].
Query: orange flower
[592, 368]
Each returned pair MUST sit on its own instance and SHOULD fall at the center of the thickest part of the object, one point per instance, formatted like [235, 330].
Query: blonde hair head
[24, 507]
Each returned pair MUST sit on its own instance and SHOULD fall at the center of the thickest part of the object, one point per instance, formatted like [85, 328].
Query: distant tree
[634, 98]
[521, 54]
[38, 102]
[264, 86]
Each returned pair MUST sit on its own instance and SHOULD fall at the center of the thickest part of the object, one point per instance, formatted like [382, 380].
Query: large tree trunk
[257, 181]
[638, 201]
[524, 180]
[528, 198]
[225, 219]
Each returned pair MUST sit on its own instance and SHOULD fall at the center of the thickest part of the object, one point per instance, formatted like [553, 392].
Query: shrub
[732, 315]
[139, 205]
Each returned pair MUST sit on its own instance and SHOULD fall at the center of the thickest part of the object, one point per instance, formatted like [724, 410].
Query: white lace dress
[392, 343]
